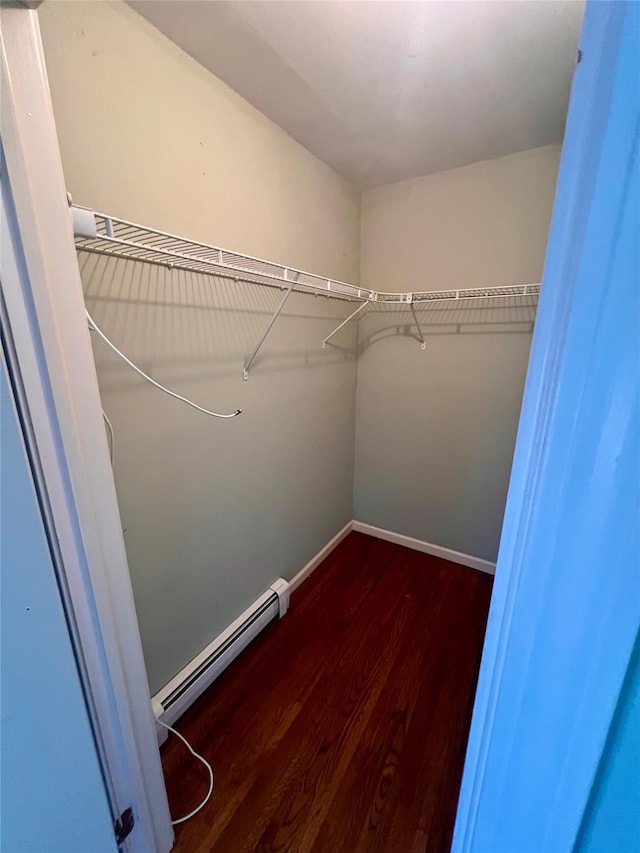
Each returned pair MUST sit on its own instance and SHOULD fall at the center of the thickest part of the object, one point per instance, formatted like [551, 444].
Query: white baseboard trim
[426, 547]
[314, 562]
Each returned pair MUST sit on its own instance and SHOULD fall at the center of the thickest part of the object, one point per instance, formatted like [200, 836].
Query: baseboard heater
[174, 699]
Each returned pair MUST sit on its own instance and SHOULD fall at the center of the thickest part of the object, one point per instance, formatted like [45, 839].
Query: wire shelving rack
[101, 234]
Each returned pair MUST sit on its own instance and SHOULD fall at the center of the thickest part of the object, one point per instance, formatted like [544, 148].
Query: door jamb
[45, 320]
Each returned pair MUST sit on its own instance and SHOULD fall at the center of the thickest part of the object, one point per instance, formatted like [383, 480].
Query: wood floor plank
[313, 756]
[343, 727]
[371, 781]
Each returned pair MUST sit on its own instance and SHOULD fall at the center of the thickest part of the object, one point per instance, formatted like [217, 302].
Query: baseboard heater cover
[175, 697]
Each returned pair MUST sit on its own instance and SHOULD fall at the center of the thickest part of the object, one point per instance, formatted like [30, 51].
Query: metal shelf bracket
[423, 344]
[101, 234]
[276, 314]
[344, 323]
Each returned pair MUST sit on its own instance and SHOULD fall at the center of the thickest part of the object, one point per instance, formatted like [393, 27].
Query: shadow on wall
[183, 323]
[187, 324]
[214, 511]
[435, 428]
[465, 317]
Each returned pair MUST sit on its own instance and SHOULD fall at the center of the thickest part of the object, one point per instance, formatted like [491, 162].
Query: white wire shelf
[101, 234]
[122, 239]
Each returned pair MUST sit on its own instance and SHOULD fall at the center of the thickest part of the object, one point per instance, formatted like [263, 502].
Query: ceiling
[383, 91]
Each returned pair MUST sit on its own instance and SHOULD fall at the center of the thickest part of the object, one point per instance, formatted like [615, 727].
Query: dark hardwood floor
[343, 727]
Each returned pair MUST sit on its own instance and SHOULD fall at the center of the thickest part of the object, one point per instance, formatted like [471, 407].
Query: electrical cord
[206, 764]
[112, 440]
[94, 328]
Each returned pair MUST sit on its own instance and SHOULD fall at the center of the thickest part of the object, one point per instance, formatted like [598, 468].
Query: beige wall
[483, 225]
[149, 135]
[212, 511]
[436, 428]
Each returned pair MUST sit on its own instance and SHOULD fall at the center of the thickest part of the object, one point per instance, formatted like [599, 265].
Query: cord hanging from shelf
[100, 234]
[94, 328]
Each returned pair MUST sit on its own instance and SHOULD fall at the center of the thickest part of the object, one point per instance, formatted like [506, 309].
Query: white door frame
[46, 334]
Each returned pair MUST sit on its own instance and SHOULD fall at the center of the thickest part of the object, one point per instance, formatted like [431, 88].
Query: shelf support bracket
[276, 314]
[423, 345]
[344, 323]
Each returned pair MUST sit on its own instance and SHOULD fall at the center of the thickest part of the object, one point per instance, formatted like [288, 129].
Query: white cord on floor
[112, 440]
[206, 764]
[94, 328]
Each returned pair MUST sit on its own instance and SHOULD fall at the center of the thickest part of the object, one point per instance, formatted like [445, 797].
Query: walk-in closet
[311, 240]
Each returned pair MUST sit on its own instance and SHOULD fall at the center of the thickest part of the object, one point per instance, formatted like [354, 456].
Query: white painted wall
[149, 135]
[479, 226]
[436, 428]
[213, 511]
